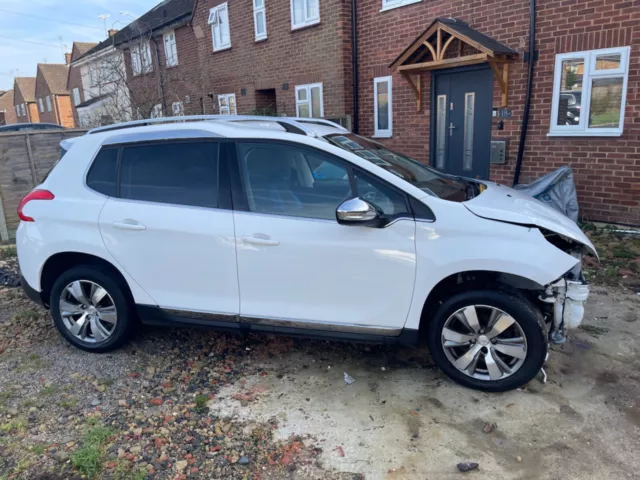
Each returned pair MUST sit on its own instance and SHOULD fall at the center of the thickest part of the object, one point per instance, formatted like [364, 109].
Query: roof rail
[290, 124]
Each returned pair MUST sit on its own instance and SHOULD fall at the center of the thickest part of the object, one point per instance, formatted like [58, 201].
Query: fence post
[31, 162]
[4, 231]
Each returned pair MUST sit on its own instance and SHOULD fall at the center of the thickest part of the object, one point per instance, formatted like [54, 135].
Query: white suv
[300, 227]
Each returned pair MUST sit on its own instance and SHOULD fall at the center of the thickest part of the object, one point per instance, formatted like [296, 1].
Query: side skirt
[152, 315]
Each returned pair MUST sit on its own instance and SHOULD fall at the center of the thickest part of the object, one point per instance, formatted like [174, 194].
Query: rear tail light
[33, 195]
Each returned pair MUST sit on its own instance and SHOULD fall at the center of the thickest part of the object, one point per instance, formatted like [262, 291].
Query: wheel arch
[63, 261]
[471, 279]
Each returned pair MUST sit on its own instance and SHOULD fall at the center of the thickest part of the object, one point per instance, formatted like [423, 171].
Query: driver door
[297, 264]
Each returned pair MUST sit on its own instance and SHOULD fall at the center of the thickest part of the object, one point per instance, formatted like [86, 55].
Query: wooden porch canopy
[447, 43]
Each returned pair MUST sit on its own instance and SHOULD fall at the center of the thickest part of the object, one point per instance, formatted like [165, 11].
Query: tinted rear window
[103, 172]
[178, 173]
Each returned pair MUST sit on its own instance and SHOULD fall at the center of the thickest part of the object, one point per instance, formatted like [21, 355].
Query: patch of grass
[23, 465]
[68, 403]
[6, 395]
[28, 403]
[622, 251]
[16, 425]
[8, 252]
[32, 362]
[201, 402]
[88, 458]
[26, 315]
[593, 330]
[48, 390]
[37, 449]
[124, 471]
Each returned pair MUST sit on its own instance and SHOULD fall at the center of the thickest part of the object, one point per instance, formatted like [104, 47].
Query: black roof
[163, 14]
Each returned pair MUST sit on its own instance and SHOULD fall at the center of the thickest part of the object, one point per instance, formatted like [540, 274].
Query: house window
[141, 58]
[304, 13]
[48, 103]
[157, 111]
[41, 105]
[171, 49]
[178, 109]
[389, 4]
[76, 97]
[219, 21]
[260, 19]
[227, 104]
[309, 101]
[382, 107]
[589, 93]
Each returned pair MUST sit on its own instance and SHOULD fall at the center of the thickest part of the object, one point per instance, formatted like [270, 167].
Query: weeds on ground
[8, 252]
[48, 390]
[68, 403]
[26, 315]
[124, 471]
[88, 458]
[201, 403]
[17, 425]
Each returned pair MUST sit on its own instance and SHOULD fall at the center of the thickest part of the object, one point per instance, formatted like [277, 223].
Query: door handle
[451, 128]
[260, 241]
[129, 225]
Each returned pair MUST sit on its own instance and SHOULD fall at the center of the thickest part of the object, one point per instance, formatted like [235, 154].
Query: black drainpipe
[527, 101]
[354, 63]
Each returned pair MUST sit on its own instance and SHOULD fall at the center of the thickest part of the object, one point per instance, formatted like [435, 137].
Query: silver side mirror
[356, 211]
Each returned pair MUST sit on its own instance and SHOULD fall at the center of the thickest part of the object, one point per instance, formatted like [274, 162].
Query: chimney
[67, 58]
[112, 32]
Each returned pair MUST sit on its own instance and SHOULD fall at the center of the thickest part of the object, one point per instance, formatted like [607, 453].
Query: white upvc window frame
[49, 105]
[41, 105]
[76, 97]
[141, 60]
[380, 133]
[391, 4]
[590, 73]
[260, 8]
[224, 104]
[214, 21]
[170, 48]
[308, 101]
[156, 112]
[178, 109]
[307, 20]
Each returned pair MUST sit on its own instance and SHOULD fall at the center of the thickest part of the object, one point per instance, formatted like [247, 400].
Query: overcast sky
[26, 41]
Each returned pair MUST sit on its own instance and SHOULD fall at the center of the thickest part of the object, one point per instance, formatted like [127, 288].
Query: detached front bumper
[568, 298]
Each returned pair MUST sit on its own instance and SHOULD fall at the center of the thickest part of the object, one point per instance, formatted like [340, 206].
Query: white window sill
[382, 135]
[261, 39]
[584, 134]
[393, 7]
[221, 49]
[305, 25]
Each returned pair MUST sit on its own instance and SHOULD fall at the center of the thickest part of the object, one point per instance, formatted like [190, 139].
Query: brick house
[445, 82]
[7, 110]
[54, 102]
[24, 100]
[74, 78]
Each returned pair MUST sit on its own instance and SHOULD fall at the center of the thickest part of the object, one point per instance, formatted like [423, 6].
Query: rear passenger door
[168, 222]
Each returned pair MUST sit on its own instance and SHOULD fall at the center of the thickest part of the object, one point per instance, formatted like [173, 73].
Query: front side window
[309, 102]
[304, 13]
[171, 49]
[49, 108]
[389, 4]
[219, 21]
[41, 105]
[178, 109]
[141, 61]
[589, 93]
[383, 116]
[103, 172]
[227, 104]
[76, 97]
[157, 111]
[282, 180]
[260, 19]
[175, 173]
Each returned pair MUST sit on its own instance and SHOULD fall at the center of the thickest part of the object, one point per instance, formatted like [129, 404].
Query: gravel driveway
[194, 404]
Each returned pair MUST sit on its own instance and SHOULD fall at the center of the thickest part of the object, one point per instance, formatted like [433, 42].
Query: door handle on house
[451, 128]
[129, 225]
[259, 239]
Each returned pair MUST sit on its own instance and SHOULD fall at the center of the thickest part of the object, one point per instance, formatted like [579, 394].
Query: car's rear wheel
[92, 309]
[490, 340]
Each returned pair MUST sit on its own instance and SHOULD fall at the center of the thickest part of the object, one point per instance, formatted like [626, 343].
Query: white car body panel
[184, 258]
[324, 272]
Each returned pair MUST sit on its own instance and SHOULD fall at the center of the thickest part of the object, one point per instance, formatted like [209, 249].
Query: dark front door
[461, 122]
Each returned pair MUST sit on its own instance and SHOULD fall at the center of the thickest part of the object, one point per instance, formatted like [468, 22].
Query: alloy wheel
[88, 311]
[484, 342]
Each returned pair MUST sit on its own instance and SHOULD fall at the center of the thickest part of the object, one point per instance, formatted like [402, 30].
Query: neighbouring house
[24, 100]
[74, 79]
[102, 79]
[446, 82]
[54, 102]
[7, 110]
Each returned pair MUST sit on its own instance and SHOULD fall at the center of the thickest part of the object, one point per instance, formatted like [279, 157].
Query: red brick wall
[6, 104]
[33, 115]
[607, 170]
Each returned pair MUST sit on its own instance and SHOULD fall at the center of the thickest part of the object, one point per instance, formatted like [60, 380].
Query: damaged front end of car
[565, 298]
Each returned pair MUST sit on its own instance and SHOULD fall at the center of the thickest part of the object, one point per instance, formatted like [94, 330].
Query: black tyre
[92, 309]
[489, 340]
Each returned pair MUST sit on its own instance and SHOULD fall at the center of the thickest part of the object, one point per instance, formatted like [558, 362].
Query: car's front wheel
[490, 340]
[92, 309]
